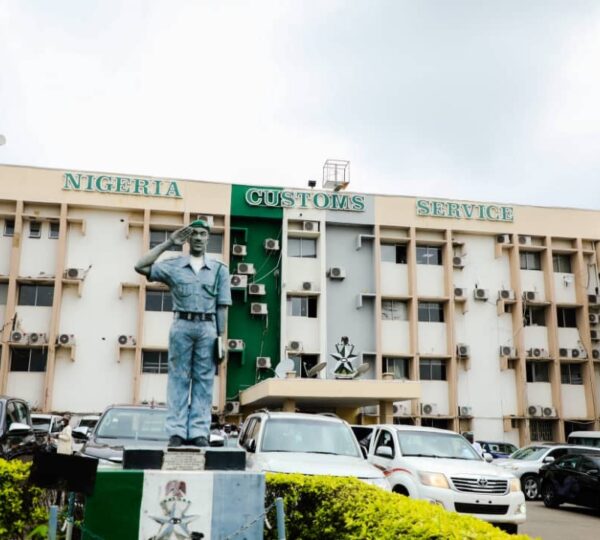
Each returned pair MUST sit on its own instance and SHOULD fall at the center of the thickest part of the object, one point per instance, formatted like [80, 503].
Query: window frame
[567, 375]
[426, 253]
[534, 371]
[166, 232]
[54, 230]
[530, 260]
[31, 361]
[396, 307]
[166, 300]
[403, 360]
[37, 295]
[33, 232]
[530, 317]
[563, 317]
[378, 443]
[400, 255]
[162, 362]
[9, 227]
[541, 427]
[300, 253]
[430, 364]
[429, 307]
[307, 304]
[556, 263]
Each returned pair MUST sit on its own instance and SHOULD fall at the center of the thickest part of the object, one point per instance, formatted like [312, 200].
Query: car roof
[403, 427]
[590, 434]
[44, 415]
[296, 415]
[137, 407]
[494, 442]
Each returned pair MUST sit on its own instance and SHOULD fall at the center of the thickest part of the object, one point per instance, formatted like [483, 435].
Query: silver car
[525, 463]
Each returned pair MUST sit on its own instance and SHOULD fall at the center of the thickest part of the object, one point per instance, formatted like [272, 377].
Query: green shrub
[330, 508]
[21, 506]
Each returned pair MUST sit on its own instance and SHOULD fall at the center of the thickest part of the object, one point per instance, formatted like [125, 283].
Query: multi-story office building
[470, 316]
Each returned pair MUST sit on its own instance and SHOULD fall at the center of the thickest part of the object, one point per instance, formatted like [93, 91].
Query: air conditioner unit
[460, 293]
[530, 296]
[428, 409]
[245, 268]
[37, 338]
[574, 353]
[65, 340]
[537, 352]
[510, 352]
[595, 335]
[563, 352]
[74, 273]
[126, 341]
[258, 309]
[595, 354]
[400, 409]
[308, 286]
[458, 262]
[336, 272]
[480, 294]
[235, 345]
[594, 318]
[18, 337]
[271, 244]
[462, 350]
[310, 226]
[465, 411]
[525, 240]
[503, 238]
[263, 362]
[506, 294]
[239, 250]
[594, 299]
[294, 346]
[238, 282]
[535, 410]
[232, 407]
[257, 289]
[549, 412]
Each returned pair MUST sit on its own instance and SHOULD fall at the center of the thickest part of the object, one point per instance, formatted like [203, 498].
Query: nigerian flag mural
[175, 505]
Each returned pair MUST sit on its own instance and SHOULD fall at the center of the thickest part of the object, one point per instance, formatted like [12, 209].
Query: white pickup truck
[441, 466]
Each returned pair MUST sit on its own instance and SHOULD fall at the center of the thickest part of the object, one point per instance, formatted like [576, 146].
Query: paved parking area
[566, 522]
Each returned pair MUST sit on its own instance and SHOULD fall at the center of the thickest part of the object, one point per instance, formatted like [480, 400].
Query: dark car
[572, 479]
[17, 439]
[498, 449]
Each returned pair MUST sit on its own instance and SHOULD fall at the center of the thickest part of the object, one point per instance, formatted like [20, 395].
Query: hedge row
[330, 508]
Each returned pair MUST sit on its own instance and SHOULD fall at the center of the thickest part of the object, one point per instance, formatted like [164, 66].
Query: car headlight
[515, 485]
[434, 479]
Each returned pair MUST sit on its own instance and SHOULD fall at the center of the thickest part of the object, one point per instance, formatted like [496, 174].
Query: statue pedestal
[184, 458]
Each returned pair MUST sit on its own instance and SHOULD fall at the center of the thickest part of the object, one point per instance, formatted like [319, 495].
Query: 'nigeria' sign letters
[147, 187]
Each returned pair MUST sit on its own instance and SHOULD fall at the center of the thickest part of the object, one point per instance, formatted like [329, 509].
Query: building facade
[470, 316]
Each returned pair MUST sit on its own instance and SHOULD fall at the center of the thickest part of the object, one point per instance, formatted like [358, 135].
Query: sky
[461, 99]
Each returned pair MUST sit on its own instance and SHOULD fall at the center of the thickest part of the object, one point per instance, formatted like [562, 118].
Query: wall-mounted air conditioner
[535, 410]
[428, 409]
[239, 250]
[594, 318]
[257, 289]
[74, 273]
[595, 335]
[537, 352]
[126, 341]
[238, 282]
[458, 262]
[271, 244]
[574, 353]
[245, 268]
[509, 352]
[65, 340]
[596, 354]
[465, 411]
[525, 240]
[503, 238]
[308, 286]
[310, 226]
[460, 293]
[463, 350]
[336, 272]
[531, 296]
[232, 407]
[263, 362]
[549, 412]
[480, 294]
[235, 345]
[594, 299]
[37, 338]
[294, 346]
[18, 337]
[258, 309]
[400, 409]
[506, 294]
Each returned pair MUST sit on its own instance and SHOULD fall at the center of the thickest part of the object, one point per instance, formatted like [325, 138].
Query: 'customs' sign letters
[147, 187]
[462, 210]
[319, 200]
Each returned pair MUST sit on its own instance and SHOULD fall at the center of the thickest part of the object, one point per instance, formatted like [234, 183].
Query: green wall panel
[240, 208]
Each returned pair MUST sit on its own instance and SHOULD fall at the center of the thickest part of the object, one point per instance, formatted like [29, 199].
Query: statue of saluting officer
[201, 294]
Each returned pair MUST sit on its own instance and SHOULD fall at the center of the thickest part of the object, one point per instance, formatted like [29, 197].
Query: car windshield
[311, 436]
[40, 424]
[437, 445]
[137, 424]
[585, 441]
[88, 422]
[530, 453]
[500, 448]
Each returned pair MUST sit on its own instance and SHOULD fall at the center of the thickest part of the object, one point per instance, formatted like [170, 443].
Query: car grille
[495, 486]
[490, 509]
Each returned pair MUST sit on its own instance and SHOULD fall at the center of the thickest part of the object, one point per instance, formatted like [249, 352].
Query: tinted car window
[558, 452]
[568, 463]
[589, 464]
[148, 424]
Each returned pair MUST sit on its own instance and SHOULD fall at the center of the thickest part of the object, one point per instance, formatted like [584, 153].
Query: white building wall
[430, 280]
[436, 392]
[300, 270]
[306, 330]
[569, 338]
[33, 318]
[539, 394]
[28, 386]
[432, 338]
[394, 279]
[38, 255]
[573, 400]
[395, 337]
[535, 337]
[156, 329]
[5, 249]
[533, 280]
[564, 288]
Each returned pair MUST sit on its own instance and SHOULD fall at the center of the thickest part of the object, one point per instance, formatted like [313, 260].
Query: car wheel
[510, 528]
[531, 487]
[400, 490]
[550, 496]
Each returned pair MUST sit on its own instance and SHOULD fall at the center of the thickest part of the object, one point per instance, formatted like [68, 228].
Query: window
[571, 374]
[561, 263]
[302, 306]
[567, 317]
[431, 312]
[432, 370]
[9, 227]
[393, 253]
[155, 361]
[27, 359]
[159, 301]
[302, 247]
[530, 260]
[54, 230]
[385, 440]
[215, 243]
[35, 229]
[304, 362]
[3, 293]
[394, 310]
[439, 423]
[35, 295]
[158, 236]
[537, 372]
[429, 255]
[397, 366]
[535, 316]
[541, 430]
[16, 412]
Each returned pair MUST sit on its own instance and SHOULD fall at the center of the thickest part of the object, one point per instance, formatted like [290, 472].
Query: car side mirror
[80, 434]
[592, 472]
[384, 451]
[17, 428]
[548, 459]
[250, 445]
[488, 457]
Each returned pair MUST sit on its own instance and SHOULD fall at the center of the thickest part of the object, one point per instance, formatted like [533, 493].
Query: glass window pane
[167, 303]
[576, 374]
[303, 307]
[423, 312]
[312, 307]
[157, 237]
[38, 359]
[45, 295]
[565, 376]
[401, 256]
[19, 359]
[387, 307]
[3, 293]
[9, 227]
[35, 229]
[153, 300]
[150, 361]
[388, 253]
[422, 256]
[215, 243]
[294, 248]
[309, 247]
[436, 370]
[425, 370]
[54, 230]
[27, 295]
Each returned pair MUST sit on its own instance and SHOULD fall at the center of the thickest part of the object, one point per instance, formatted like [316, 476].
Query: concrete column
[386, 412]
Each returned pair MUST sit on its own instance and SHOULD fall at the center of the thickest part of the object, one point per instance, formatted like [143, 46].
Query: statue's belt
[191, 316]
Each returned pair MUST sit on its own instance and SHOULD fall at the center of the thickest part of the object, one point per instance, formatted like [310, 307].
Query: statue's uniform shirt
[191, 292]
